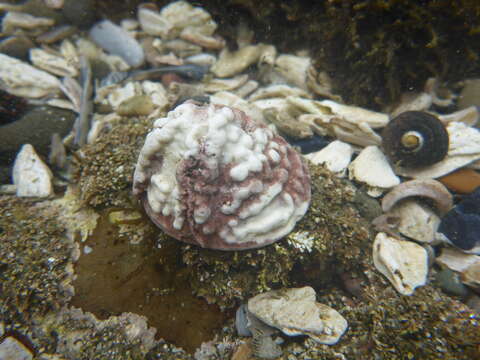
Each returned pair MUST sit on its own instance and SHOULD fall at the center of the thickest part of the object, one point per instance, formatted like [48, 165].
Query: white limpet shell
[54, 64]
[21, 79]
[31, 175]
[336, 156]
[417, 221]
[211, 176]
[404, 263]
[464, 148]
[372, 168]
[296, 312]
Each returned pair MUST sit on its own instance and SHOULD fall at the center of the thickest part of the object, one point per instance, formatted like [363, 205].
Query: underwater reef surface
[109, 310]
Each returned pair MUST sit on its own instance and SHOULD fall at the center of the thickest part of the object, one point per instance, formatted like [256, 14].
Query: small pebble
[309, 145]
[139, 105]
[462, 181]
[461, 225]
[450, 282]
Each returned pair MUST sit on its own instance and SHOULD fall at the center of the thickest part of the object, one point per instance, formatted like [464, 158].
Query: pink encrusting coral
[211, 176]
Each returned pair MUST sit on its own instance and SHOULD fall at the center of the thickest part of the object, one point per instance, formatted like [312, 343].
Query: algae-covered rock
[104, 169]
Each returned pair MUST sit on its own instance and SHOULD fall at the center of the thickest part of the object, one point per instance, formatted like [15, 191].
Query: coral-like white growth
[211, 176]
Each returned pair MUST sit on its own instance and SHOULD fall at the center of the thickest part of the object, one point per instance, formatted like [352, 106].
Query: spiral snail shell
[415, 138]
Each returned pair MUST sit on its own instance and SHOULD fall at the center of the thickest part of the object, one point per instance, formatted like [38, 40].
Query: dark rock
[461, 225]
[309, 145]
[450, 282]
[11, 107]
[36, 127]
[4, 174]
[16, 46]
[79, 13]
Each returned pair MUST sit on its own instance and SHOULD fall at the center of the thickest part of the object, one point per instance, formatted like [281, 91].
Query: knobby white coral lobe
[211, 176]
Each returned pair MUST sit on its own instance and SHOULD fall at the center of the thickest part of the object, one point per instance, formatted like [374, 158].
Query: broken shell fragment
[175, 18]
[52, 63]
[404, 263]
[415, 138]
[431, 189]
[372, 168]
[336, 156]
[21, 79]
[210, 176]
[233, 63]
[31, 175]
[416, 221]
[295, 312]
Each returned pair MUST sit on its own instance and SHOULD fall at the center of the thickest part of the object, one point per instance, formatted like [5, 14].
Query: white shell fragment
[347, 123]
[278, 91]
[17, 20]
[12, 349]
[117, 41]
[22, 79]
[232, 63]
[174, 19]
[336, 156]
[32, 177]
[52, 63]
[372, 168]
[412, 101]
[295, 312]
[456, 260]
[468, 265]
[404, 263]
[468, 116]
[355, 114]
[294, 69]
[417, 221]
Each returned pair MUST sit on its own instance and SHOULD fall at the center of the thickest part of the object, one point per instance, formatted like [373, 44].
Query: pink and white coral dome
[211, 176]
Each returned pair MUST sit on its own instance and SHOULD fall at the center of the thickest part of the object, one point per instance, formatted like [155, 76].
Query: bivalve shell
[372, 168]
[404, 263]
[295, 312]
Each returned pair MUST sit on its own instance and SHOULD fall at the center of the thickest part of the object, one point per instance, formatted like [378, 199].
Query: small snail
[415, 138]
